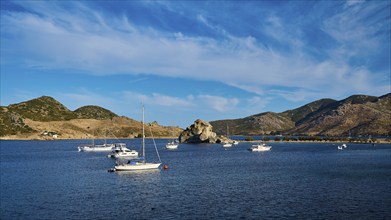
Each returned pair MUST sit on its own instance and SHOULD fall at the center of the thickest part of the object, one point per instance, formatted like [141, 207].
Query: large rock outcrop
[200, 132]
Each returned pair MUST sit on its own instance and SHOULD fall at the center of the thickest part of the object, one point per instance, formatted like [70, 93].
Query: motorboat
[120, 150]
[260, 147]
[235, 143]
[172, 145]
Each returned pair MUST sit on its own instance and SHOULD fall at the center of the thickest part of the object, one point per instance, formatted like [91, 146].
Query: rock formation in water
[200, 132]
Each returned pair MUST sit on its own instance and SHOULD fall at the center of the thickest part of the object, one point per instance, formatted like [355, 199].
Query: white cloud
[190, 102]
[354, 2]
[164, 108]
[89, 41]
[83, 96]
[257, 104]
[218, 103]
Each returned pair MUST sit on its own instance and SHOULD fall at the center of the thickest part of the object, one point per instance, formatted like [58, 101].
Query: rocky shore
[201, 132]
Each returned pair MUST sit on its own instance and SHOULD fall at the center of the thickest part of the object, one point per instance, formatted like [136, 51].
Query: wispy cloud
[189, 102]
[165, 108]
[83, 38]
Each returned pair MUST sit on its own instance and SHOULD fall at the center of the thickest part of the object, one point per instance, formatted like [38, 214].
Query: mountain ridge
[35, 118]
[355, 115]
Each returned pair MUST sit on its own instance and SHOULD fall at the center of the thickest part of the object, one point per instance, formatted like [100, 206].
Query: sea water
[52, 180]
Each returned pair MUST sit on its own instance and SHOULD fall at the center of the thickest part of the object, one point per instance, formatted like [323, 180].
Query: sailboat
[96, 147]
[227, 144]
[139, 163]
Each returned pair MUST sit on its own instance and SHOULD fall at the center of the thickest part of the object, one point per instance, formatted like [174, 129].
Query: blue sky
[193, 59]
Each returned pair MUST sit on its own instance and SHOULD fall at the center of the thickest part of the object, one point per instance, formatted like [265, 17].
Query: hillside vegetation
[43, 117]
[355, 115]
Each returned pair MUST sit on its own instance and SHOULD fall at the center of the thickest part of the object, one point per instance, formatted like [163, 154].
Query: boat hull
[95, 149]
[171, 147]
[263, 149]
[260, 147]
[137, 166]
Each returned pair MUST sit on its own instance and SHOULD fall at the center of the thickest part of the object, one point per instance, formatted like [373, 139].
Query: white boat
[235, 143]
[260, 147]
[139, 163]
[227, 144]
[172, 145]
[341, 147]
[96, 148]
[120, 151]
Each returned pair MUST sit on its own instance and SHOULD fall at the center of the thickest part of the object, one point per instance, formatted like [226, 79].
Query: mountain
[96, 112]
[355, 115]
[253, 125]
[44, 108]
[298, 114]
[36, 118]
[12, 123]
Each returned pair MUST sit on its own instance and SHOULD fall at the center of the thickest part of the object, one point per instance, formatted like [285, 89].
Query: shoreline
[378, 141]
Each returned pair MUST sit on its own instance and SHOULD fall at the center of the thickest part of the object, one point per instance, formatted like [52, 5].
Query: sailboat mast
[143, 134]
[105, 136]
[93, 138]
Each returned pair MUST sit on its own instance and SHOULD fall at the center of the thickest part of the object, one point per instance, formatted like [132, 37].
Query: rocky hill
[201, 132]
[92, 111]
[45, 118]
[44, 108]
[357, 115]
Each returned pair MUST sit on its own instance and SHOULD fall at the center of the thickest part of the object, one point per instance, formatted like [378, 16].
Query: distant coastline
[377, 140]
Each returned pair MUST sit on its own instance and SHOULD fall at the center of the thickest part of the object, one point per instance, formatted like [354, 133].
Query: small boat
[235, 143]
[227, 145]
[139, 163]
[96, 148]
[172, 145]
[341, 147]
[260, 147]
[120, 150]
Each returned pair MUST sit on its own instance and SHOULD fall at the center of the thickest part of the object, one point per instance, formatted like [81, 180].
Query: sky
[188, 60]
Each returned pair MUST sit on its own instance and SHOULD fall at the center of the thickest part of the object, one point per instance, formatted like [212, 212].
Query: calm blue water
[51, 180]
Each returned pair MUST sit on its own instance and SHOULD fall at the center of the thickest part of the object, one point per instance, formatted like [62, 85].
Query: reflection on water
[140, 173]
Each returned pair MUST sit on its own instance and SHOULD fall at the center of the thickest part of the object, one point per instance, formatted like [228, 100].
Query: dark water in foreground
[51, 180]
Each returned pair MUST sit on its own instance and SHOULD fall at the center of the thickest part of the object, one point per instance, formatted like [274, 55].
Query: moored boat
[260, 147]
[172, 145]
[341, 147]
[120, 150]
[139, 163]
[227, 145]
[96, 147]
